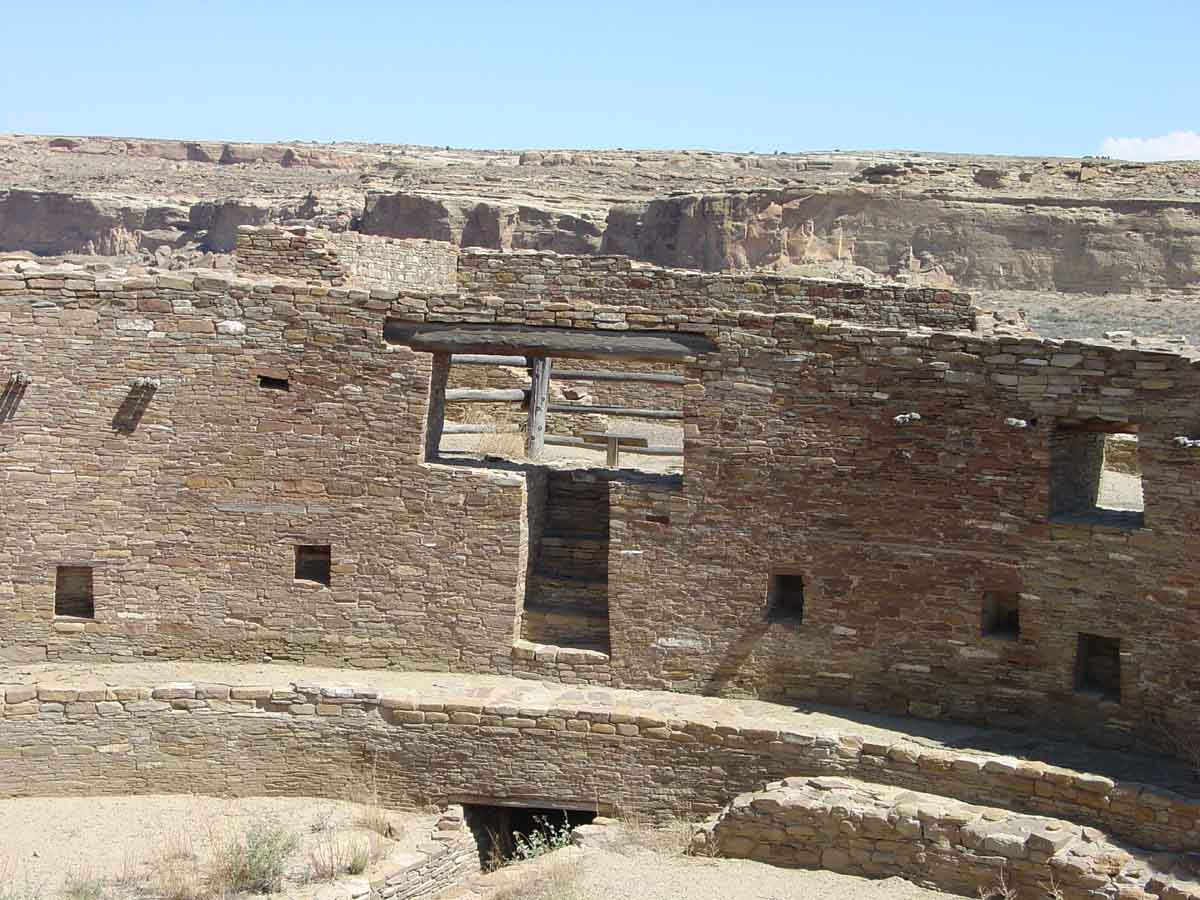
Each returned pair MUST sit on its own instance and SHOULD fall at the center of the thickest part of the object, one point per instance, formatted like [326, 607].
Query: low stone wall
[417, 264]
[856, 829]
[450, 855]
[319, 257]
[603, 749]
[542, 279]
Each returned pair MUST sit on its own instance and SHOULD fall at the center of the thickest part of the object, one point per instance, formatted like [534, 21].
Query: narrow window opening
[658, 519]
[785, 598]
[1098, 666]
[313, 564]
[1095, 476]
[73, 592]
[1001, 615]
[267, 383]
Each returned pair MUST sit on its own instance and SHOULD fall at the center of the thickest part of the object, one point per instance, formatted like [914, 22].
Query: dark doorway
[500, 830]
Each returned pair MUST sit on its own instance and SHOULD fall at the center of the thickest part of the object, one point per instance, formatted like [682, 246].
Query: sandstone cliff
[1029, 243]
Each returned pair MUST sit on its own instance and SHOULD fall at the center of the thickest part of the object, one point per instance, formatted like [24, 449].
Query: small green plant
[83, 886]
[255, 862]
[547, 836]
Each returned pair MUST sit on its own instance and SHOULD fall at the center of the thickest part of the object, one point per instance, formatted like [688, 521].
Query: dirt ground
[117, 848]
[575, 874]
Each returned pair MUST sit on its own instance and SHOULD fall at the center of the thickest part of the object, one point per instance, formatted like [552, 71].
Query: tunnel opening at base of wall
[501, 832]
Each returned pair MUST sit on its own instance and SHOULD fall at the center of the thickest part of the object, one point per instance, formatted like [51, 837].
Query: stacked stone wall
[846, 826]
[320, 257]
[456, 743]
[903, 473]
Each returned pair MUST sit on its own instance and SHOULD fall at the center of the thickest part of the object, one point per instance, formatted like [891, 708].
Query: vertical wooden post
[437, 404]
[614, 450]
[539, 401]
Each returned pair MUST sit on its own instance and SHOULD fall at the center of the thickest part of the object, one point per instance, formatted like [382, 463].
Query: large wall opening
[499, 830]
[566, 593]
[1095, 477]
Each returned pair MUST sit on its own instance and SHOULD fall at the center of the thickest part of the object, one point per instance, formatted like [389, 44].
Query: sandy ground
[133, 843]
[574, 874]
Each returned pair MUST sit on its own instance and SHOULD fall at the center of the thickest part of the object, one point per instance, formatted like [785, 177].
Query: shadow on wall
[130, 413]
[11, 398]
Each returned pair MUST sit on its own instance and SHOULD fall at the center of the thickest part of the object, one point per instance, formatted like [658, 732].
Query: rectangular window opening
[1001, 615]
[1095, 476]
[785, 598]
[1098, 666]
[313, 564]
[73, 592]
[267, 383]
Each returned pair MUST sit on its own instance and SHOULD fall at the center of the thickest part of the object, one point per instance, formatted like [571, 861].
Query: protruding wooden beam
[471, 339]
[436, 417]
[581, 408]
[486, 359]
[539, 403]
[485, 395]
[589, 375]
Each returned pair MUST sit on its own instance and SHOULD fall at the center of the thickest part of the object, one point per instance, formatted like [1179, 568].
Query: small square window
[1001, 615]
[785, 598]
[73, 592]
[1098, 666]
[267, 383]
[313, 564]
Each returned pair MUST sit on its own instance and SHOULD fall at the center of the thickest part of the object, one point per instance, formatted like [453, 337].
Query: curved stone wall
[442, 738]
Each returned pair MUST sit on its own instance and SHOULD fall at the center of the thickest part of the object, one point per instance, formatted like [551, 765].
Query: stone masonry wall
[321, 257]
[802, 453]
[544, 281]
[857, 829]
[453, 745]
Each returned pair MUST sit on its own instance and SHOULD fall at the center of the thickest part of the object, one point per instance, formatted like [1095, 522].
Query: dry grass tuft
[81, 884]
[554, 880]
[253, 862]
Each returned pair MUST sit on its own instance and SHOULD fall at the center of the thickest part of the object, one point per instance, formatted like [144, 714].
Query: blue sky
[994, 76]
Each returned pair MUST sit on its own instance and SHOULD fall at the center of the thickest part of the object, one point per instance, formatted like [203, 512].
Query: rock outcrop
[1043, 244]
[470, 223]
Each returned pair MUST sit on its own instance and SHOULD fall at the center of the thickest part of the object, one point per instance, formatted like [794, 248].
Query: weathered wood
[539, 402]
[616, 411]
[486, 359]
[483, 395]
[471, 428]
[627, 439]
[592, 375]
[435, 420]
[651, 346]
[561, 440]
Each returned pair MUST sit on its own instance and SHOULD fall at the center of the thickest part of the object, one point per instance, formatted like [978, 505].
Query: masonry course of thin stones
[319, 257]
[846, 826]
[452, 741]
[800, 451]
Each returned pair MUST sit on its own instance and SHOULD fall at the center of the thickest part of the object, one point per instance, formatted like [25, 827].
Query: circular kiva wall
[604, 750]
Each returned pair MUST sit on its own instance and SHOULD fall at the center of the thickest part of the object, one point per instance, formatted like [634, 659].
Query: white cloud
[1176, 145]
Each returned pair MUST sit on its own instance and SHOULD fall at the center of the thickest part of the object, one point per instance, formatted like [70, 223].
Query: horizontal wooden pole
[486, 359]
[473, 428]
[567, 343]
[582, 409]
[561, 440]
[648, 377]
[479, 395]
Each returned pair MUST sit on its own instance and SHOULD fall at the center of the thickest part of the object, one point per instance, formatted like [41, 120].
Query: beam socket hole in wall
[1002, 615]
[1098, 666]
[785, 598]
[1095, 476]
[313, 563]
[499, 830]
[267, 383]
[74, 593]
[658, 519]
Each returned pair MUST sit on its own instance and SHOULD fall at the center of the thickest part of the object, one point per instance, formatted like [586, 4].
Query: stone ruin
[865, 499]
